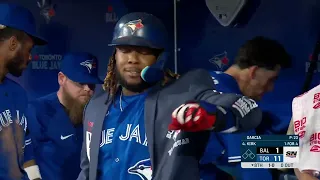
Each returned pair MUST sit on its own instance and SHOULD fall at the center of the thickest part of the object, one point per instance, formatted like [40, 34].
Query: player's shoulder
[197, 72]
[197, 77]
[99, 92]
[312, 92]
[45, 104]
[14, 86]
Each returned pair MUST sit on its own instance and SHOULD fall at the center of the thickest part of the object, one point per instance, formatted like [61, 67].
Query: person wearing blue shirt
[55, 123]
[257, 66]
[17, 38]
[139, 41]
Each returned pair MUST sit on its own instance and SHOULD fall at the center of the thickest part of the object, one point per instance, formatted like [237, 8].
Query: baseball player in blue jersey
[256, 67]
[17, 38]
[56, 119]
[122, 147]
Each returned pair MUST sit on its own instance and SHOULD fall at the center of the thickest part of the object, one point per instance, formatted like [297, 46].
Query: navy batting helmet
[143, 29]
[140, 29]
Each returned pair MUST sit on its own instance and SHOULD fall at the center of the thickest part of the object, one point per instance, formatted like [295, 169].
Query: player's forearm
[32, 170]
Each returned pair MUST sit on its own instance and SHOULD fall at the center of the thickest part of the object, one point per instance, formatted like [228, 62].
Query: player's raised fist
[193, 117]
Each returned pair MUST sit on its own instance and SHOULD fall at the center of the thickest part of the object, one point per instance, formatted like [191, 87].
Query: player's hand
[193, 117]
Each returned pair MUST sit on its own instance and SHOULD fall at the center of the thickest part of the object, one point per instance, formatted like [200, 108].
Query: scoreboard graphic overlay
[270, 151]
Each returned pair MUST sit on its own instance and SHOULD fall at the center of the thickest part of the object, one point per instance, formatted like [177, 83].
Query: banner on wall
[114, 11]
[41, 76]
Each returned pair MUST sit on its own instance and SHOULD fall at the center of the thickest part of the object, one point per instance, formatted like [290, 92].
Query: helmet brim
[133, 41]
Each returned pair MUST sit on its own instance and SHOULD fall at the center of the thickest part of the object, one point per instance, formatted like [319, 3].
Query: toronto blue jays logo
[134, 25]
[220, 60]
[89, 64]
[142, 169]
[47, 9]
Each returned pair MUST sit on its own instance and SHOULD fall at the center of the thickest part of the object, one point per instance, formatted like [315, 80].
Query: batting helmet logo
[134, 25]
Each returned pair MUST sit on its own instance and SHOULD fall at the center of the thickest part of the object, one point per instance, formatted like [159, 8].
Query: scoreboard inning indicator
[270, 151]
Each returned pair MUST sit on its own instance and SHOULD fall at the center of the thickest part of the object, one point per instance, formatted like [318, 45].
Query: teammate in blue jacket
[17, 38]
[56, 119]
[253, 74]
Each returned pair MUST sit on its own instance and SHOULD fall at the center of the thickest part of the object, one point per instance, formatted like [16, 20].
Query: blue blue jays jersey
[223, 150]
[13, 125]
[56, 142]
[123, 153]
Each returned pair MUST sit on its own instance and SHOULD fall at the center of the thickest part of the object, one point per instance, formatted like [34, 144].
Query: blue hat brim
[38, 40]
[85, 79]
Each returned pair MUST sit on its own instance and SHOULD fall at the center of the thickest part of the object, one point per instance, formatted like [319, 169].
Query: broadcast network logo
[291, 154]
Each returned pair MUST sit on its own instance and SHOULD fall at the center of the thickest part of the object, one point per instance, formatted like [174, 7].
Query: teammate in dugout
[117, 143]
[55, 123]
[116, 146]
[304, 122]
[257, 66]
[17, 38]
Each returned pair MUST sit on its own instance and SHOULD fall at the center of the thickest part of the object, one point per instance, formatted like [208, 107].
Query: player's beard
[74, 108]
[14, 65]
[137, 88]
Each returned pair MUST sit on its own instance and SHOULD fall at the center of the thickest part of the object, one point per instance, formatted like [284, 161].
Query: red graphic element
[301, 134]
[299, 126]
[110, 9]
[316, 106]
[220, 60]
[316, 101]
[225, 60]
[315, 148]
[316, 98]
[94, 64]
[36, 57]
[310, 57]
[139, 25]
[51, 12]
[134, 25]
[90, 125]
[315, 140]
[315, 136]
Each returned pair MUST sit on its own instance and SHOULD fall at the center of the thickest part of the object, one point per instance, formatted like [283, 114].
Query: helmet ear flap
[154, 73]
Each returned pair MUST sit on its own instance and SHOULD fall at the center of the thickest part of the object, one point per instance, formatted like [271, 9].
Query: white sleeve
[307, 126]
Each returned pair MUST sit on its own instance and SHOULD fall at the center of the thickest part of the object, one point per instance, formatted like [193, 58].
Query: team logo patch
[134, 25]
[142, 169]
[89, 64]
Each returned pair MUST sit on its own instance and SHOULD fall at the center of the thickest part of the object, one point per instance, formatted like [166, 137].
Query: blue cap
[20, 18]
[81, 67]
